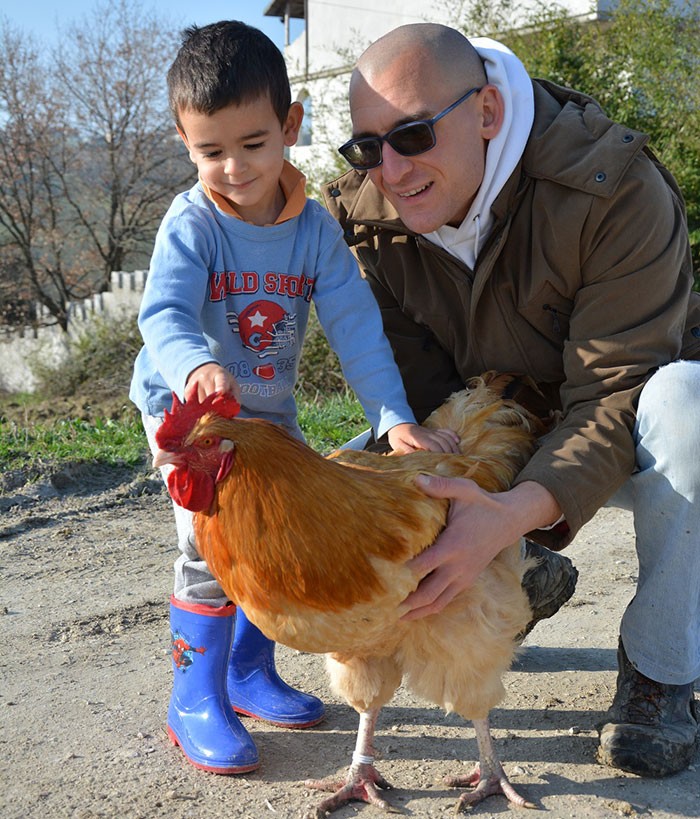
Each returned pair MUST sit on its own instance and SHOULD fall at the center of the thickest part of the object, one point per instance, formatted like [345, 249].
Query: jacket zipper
[439, 251]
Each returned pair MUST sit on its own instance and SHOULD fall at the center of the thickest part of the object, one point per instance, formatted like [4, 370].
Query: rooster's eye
[206, 442]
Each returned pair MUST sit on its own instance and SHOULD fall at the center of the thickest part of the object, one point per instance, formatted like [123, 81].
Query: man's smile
[415, 191]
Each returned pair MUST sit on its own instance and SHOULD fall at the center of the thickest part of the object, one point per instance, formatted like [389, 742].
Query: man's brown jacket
[584, 284]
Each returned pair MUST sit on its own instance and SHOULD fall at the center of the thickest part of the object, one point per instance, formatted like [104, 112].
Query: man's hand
[480, 524]
[211, 378]
[410, 437]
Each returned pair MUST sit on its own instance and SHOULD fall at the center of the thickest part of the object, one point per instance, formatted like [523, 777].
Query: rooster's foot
[360, 784]
[484, 786]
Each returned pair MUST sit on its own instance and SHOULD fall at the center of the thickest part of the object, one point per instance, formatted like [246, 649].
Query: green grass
[326, 422]
[112, 442]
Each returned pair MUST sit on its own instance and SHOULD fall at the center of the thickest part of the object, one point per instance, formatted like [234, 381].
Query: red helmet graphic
[265, 327]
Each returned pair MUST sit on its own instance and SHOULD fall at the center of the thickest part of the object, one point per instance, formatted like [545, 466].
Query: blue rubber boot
[200, 718]
[256, 690]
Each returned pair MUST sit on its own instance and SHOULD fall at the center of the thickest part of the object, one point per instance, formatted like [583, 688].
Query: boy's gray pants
[194, 582]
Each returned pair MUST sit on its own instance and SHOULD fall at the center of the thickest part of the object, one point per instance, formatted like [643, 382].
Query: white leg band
[358, 758]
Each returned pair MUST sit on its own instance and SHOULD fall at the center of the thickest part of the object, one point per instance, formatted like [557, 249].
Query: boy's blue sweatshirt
[221, 289]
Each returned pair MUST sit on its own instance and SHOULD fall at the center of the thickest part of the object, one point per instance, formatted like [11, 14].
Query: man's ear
[492, 111]
[290, 129]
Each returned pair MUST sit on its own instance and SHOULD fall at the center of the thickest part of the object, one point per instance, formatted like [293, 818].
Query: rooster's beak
[163, 458]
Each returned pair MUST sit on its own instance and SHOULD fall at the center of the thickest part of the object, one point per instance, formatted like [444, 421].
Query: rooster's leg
[488, 777]
[361, 781]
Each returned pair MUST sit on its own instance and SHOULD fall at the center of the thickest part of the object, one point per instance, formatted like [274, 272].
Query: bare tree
[89, 157]
[35, 236]
[111, 70]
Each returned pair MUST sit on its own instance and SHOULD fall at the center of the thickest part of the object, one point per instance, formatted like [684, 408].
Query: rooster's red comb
[182, 416]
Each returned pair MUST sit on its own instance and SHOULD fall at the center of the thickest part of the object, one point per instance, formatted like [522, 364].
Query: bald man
[506, 223]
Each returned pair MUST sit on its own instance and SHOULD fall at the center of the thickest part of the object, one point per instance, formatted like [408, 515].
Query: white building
[336, 32]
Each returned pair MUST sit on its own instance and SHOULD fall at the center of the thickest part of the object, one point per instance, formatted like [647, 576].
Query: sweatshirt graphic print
[266, 328]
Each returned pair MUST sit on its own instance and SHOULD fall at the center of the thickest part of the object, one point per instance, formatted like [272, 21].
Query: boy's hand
[211, 378]
[410, 437]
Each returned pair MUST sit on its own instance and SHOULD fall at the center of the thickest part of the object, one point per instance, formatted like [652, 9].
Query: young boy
[237, 260]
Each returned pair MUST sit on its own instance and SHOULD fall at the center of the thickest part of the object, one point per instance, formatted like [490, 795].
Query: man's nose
[394, 165]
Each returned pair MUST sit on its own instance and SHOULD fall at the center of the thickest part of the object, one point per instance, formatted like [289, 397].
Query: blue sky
[41, 17]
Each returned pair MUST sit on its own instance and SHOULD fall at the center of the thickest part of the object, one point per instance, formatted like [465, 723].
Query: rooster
[314, 550]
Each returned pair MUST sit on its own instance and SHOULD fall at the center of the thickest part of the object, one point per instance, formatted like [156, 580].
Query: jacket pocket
[548, 312]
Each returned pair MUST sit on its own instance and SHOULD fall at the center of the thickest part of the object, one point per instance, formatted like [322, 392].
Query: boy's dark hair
[227, 63]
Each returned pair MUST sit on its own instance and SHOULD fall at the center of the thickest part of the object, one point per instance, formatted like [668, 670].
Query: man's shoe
[651, 728]
[548, 585]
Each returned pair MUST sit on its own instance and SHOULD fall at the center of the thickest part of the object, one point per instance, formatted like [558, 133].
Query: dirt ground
[86, 561]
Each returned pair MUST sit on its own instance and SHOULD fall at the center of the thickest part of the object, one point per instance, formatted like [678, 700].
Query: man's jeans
[661, 626]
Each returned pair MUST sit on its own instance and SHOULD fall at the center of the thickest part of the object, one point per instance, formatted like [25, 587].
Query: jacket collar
[293, 184]
[368, 200]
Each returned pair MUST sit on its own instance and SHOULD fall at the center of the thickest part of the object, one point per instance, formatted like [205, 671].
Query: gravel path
[86, 564]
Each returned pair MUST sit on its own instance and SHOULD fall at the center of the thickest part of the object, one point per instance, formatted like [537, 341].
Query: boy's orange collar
[293, 184]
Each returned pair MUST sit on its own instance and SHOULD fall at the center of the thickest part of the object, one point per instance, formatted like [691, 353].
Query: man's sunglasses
[409, 139]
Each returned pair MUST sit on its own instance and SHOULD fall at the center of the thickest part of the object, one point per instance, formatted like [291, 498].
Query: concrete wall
[48, 343]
